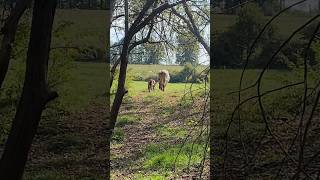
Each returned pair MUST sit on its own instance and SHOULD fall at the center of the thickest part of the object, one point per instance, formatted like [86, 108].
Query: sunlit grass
[164, 158]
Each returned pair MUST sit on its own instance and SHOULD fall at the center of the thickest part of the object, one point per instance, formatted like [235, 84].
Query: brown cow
[164, 78]
[151, 85]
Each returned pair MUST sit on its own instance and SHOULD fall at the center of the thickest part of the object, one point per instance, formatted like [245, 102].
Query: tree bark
[35, 93]
[9, 32]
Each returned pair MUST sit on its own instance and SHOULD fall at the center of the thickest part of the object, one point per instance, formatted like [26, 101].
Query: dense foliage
[232, 47]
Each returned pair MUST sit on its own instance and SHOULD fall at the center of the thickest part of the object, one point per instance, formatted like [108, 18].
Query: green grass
[118, 135]
[88, 82]
[165, 158]
[144, 71]
[88, 28]
[126, 120]
[225, 81]
[176, 132]
[276, 105]
[139, 88]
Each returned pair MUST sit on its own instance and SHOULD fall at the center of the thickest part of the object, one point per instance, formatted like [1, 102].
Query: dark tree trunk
[35, 93]
[9, 32]
[109, 6]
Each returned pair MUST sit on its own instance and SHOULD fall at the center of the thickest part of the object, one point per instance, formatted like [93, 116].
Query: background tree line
[233, 45]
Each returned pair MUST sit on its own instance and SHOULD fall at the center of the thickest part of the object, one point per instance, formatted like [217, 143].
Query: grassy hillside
[145, 71]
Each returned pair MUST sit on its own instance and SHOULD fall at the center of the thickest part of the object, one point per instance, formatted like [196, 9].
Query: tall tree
[137, 55]
[232, 46]
[35, 95]
[187, 49]
[154, 53]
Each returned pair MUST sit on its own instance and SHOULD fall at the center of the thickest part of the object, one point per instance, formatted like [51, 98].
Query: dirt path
[137, 136]
[127, 156]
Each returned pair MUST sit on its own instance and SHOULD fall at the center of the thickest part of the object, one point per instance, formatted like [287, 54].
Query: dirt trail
[139, 135]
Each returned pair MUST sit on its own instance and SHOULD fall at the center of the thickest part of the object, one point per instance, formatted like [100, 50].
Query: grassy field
[244, 136]
[70, 143]
[150, 130]
[87, 82]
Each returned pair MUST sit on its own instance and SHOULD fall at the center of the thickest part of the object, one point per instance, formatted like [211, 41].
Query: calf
[151, 85]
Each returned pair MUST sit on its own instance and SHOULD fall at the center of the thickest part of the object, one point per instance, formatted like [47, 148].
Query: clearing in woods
[152, 128]
[71, 142]
[149, 133]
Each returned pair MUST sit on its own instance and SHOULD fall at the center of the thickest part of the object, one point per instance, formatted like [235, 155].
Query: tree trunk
[110, 7]
[35, 93]
[9, 32]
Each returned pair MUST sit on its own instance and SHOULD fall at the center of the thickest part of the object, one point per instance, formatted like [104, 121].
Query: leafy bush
[165, 157]
[138, 78]
[187, 74]
[118, 135]
[154, 77]
[231, 45]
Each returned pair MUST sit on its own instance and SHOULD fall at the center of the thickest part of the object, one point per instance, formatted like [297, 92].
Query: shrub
[118, 135]
[154, 77]
[187, 74]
